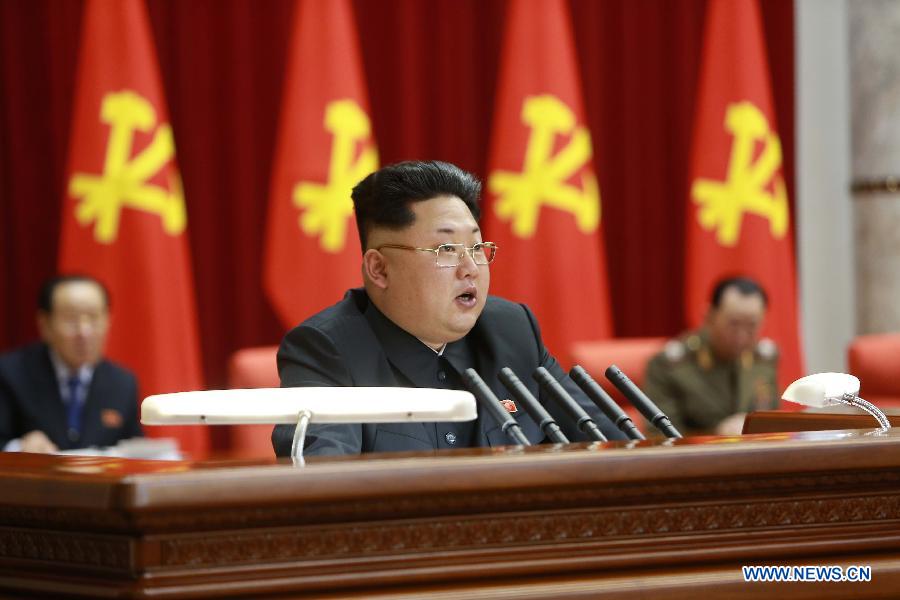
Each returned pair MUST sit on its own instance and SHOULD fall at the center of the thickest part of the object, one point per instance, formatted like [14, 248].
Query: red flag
[544, 200]
[124, 219]
[325, 147]
[738, 217]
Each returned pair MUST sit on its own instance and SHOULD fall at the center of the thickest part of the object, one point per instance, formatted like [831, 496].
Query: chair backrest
[875, 359]
[252, 368]
[629, 354]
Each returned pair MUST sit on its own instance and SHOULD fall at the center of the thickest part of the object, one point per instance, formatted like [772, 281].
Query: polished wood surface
[770, 421]
[615, 520]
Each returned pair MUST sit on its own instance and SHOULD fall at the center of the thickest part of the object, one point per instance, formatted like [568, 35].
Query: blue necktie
[73, 408]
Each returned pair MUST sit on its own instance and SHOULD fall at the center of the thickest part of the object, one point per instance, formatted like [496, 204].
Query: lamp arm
[854, 400]
[300, 437]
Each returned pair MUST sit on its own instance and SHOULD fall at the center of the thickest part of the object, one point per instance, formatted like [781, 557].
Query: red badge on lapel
[111, 418]
[509, 405]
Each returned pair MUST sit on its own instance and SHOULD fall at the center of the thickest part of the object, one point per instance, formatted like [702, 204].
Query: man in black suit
[60, 393]
[422, 319]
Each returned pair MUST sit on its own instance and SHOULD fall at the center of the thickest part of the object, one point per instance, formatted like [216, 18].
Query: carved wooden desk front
[571, 521]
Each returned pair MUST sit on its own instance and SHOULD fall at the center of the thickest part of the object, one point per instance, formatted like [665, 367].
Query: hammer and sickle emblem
[542, 181]
[724, 203]
[327, 208]
[123, 182]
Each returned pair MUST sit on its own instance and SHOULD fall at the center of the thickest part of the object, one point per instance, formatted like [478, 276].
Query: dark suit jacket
[353, 344]
[30, 399]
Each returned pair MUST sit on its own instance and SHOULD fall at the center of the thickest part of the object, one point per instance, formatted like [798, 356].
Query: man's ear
[375, 268]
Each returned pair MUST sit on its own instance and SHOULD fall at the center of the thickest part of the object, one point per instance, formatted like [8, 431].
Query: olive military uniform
[697, 391]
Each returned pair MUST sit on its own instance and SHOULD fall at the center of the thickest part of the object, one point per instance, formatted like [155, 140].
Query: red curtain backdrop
[735, 158]
[123, 217]
[542, 203]
[324, 148]
[431, 69]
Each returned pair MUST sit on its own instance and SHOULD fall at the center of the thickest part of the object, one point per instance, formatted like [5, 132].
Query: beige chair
[252, 368]
[875, 359]
[629, 354]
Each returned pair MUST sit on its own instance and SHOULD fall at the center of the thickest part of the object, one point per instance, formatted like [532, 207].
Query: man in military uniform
[709, 379]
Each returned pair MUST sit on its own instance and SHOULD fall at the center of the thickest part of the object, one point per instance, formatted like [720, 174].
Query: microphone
[641, 402]
[605, 403]
[491, 404]
[562, 397]
[532, 406]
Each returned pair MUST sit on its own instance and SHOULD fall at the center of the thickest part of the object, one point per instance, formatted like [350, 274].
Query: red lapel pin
[509, 405]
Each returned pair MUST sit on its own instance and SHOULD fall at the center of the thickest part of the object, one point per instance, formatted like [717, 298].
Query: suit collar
[63, 372]
[417, 363]
[410, 356]
[47, 399]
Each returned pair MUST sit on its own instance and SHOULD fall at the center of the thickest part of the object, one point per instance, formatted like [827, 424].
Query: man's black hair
[744, 285]
[383, 198]
[45, 295]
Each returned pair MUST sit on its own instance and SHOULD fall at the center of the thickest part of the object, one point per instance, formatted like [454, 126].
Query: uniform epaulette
[693, 342]
[767, 349]
[674, 350]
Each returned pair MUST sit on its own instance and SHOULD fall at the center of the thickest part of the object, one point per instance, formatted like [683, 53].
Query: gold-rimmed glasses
[450, 255]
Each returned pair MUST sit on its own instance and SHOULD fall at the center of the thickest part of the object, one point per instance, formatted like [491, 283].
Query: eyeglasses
[73, 322]
[450, 255]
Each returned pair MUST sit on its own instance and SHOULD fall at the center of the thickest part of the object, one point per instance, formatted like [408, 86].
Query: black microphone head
[604, 402]
[508, 376]
[472, 375]
[614, 371]
[542, 375]
[640, 401]
[491, 403]
[583, 379]
[577, 373]
[559, 394]
[532, 406]
[476, 384]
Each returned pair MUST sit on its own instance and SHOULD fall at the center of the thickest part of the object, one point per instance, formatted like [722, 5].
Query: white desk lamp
[304, 405]
[827, 389]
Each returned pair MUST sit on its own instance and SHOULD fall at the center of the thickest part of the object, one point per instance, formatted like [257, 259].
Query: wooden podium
[769, 421]
[654, 519]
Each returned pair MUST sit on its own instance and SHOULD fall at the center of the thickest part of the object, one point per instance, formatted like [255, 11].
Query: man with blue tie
[61, 393]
